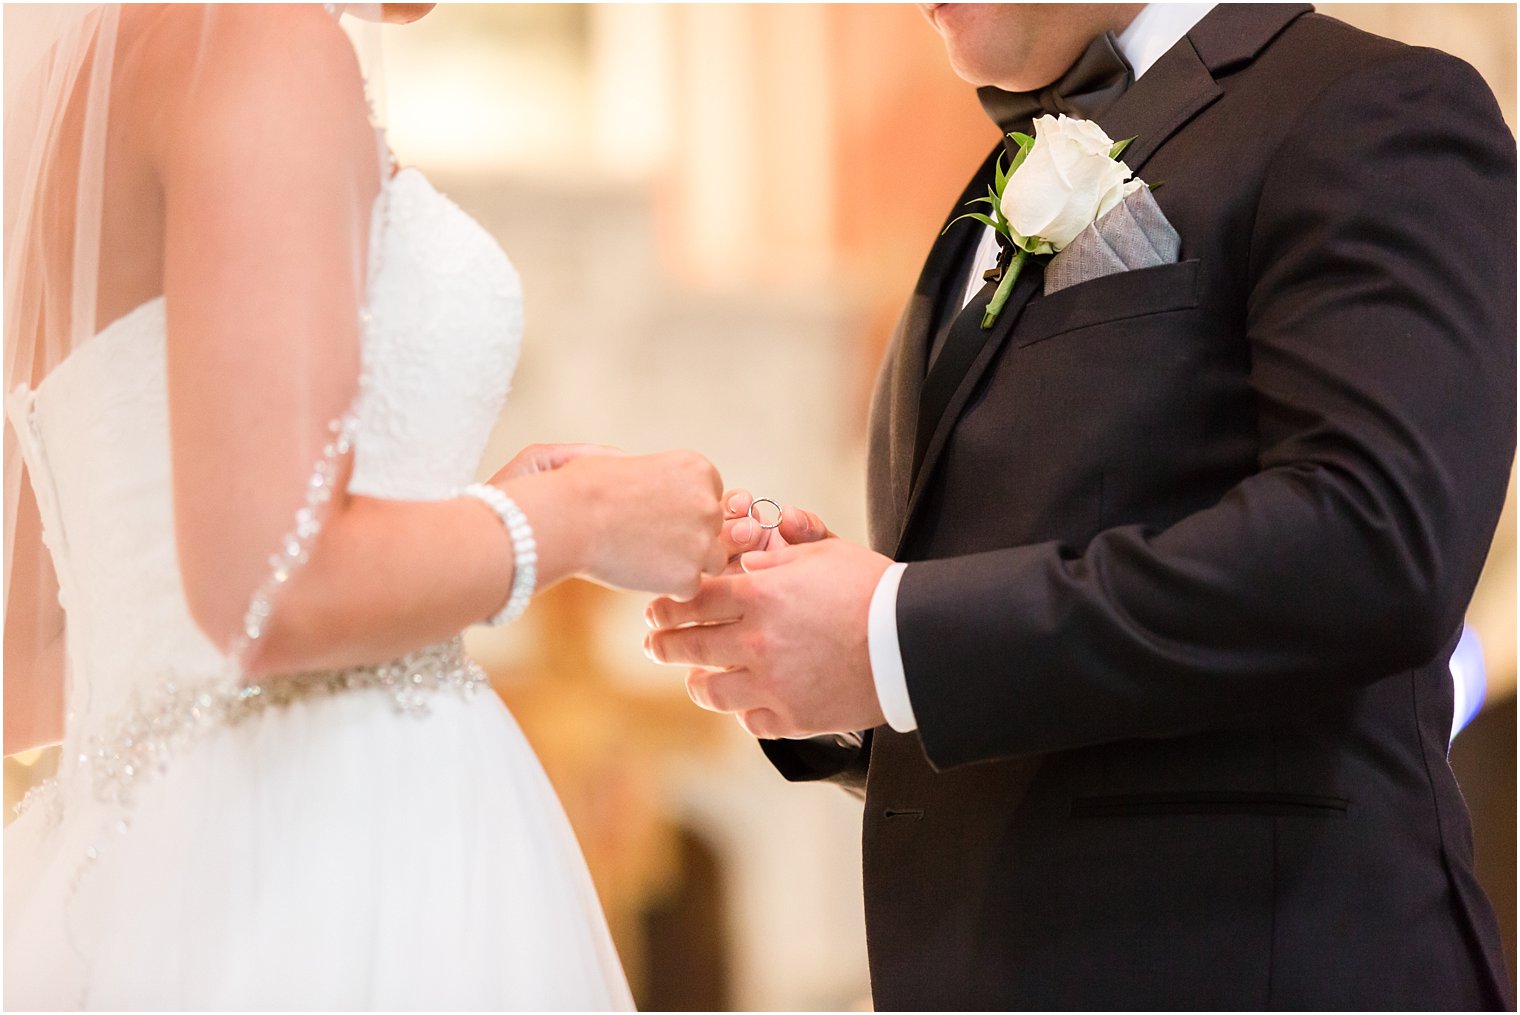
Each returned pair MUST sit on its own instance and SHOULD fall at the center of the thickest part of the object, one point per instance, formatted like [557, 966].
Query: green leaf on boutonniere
[972, 215]
[1025, 143]
[1154, 186]
[1000, 178]
[979, 200]
[1119, 146]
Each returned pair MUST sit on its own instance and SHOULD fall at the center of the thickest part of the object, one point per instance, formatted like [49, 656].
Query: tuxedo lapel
[1170, 94]
[939, 280]
[1023, 290]
[1182, 83]
[1232, 34]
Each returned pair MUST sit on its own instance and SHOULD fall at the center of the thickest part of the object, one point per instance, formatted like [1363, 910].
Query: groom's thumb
[762, 560]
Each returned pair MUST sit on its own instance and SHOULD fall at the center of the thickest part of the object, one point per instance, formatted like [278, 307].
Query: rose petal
[1065, 182]
[1088, 136]
[1111, 200]
[1088, 182]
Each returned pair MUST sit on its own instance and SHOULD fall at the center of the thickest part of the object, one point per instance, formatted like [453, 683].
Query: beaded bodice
[440, 343]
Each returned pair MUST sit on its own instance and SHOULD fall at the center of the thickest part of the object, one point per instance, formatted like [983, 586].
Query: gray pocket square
[1134, 234]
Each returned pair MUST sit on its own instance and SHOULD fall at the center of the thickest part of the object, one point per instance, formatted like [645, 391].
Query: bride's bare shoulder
[281, 76]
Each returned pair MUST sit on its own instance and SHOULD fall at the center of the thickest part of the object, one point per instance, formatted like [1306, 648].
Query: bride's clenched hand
[536, 458]
[649, 522]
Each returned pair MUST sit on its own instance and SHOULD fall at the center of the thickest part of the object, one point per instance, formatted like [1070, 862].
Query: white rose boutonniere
[1062, 180]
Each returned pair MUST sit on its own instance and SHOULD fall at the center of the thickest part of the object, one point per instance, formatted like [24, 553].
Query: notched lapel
[1024, 289]
[909, 359]
[1182, 83]
[1170, 94]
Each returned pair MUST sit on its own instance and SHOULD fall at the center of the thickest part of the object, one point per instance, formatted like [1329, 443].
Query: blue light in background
[1469, 680]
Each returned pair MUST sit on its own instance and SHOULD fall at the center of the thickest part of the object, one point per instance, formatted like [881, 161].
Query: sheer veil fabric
[58, 61]
[86, 93]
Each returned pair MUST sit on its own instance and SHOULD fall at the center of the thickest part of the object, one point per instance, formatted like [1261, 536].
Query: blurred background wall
[717, 212]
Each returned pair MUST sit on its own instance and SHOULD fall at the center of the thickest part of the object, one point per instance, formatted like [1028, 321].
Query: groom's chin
[973, 54]
[1020, 47]
[978, 63]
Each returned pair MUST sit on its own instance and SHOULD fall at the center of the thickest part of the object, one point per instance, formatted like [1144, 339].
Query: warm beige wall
[1481, 34]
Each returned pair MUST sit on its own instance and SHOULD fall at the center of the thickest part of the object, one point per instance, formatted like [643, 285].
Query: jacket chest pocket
[1122, 296]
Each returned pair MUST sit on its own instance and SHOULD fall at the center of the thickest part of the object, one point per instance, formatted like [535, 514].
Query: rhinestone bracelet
[524, 550]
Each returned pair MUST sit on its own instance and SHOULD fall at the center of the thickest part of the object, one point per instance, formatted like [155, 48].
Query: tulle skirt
[330, 854]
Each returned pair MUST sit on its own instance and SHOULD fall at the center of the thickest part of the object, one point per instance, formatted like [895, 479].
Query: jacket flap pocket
[1117, 297]
[1208, 802]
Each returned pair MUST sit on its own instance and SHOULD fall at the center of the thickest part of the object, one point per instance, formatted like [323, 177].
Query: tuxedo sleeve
[841, 760]
[1381, 325]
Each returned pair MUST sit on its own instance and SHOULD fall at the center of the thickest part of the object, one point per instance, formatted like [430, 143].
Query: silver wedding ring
[756, 514]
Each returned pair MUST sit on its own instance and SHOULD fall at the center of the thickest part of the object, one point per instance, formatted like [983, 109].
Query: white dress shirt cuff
[886, 654]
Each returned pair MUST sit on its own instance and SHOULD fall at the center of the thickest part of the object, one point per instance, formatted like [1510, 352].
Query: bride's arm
[269, 172]
[391, 576]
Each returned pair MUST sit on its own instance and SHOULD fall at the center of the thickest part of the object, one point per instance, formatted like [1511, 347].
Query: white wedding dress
[380, 838]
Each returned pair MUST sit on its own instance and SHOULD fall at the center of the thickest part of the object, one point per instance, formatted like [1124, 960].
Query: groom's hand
[782, 643]
[741, 533]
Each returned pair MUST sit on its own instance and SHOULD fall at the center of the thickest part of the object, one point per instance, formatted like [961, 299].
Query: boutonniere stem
[1005, 286]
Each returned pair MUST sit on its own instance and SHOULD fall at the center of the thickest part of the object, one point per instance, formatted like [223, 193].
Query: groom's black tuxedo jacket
[1191, 546]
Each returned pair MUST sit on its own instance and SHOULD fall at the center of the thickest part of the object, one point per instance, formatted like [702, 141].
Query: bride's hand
[536, 458]
[652, 522]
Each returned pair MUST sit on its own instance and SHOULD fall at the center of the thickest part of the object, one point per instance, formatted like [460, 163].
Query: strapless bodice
[439, 346]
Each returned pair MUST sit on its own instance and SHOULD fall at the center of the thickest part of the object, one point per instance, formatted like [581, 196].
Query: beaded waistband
[165, 721]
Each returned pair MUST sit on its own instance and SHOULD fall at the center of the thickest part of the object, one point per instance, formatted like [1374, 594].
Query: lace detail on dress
[422, 368]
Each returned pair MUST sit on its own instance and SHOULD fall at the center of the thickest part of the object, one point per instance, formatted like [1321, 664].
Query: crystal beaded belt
[164, 722]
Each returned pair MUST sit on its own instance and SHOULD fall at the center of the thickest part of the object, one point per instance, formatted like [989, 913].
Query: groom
[1155, 698]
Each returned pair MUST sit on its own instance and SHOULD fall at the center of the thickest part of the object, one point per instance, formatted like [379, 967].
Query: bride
[251, 369]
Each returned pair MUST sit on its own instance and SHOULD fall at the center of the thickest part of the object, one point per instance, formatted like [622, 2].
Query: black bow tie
[1089, 86]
